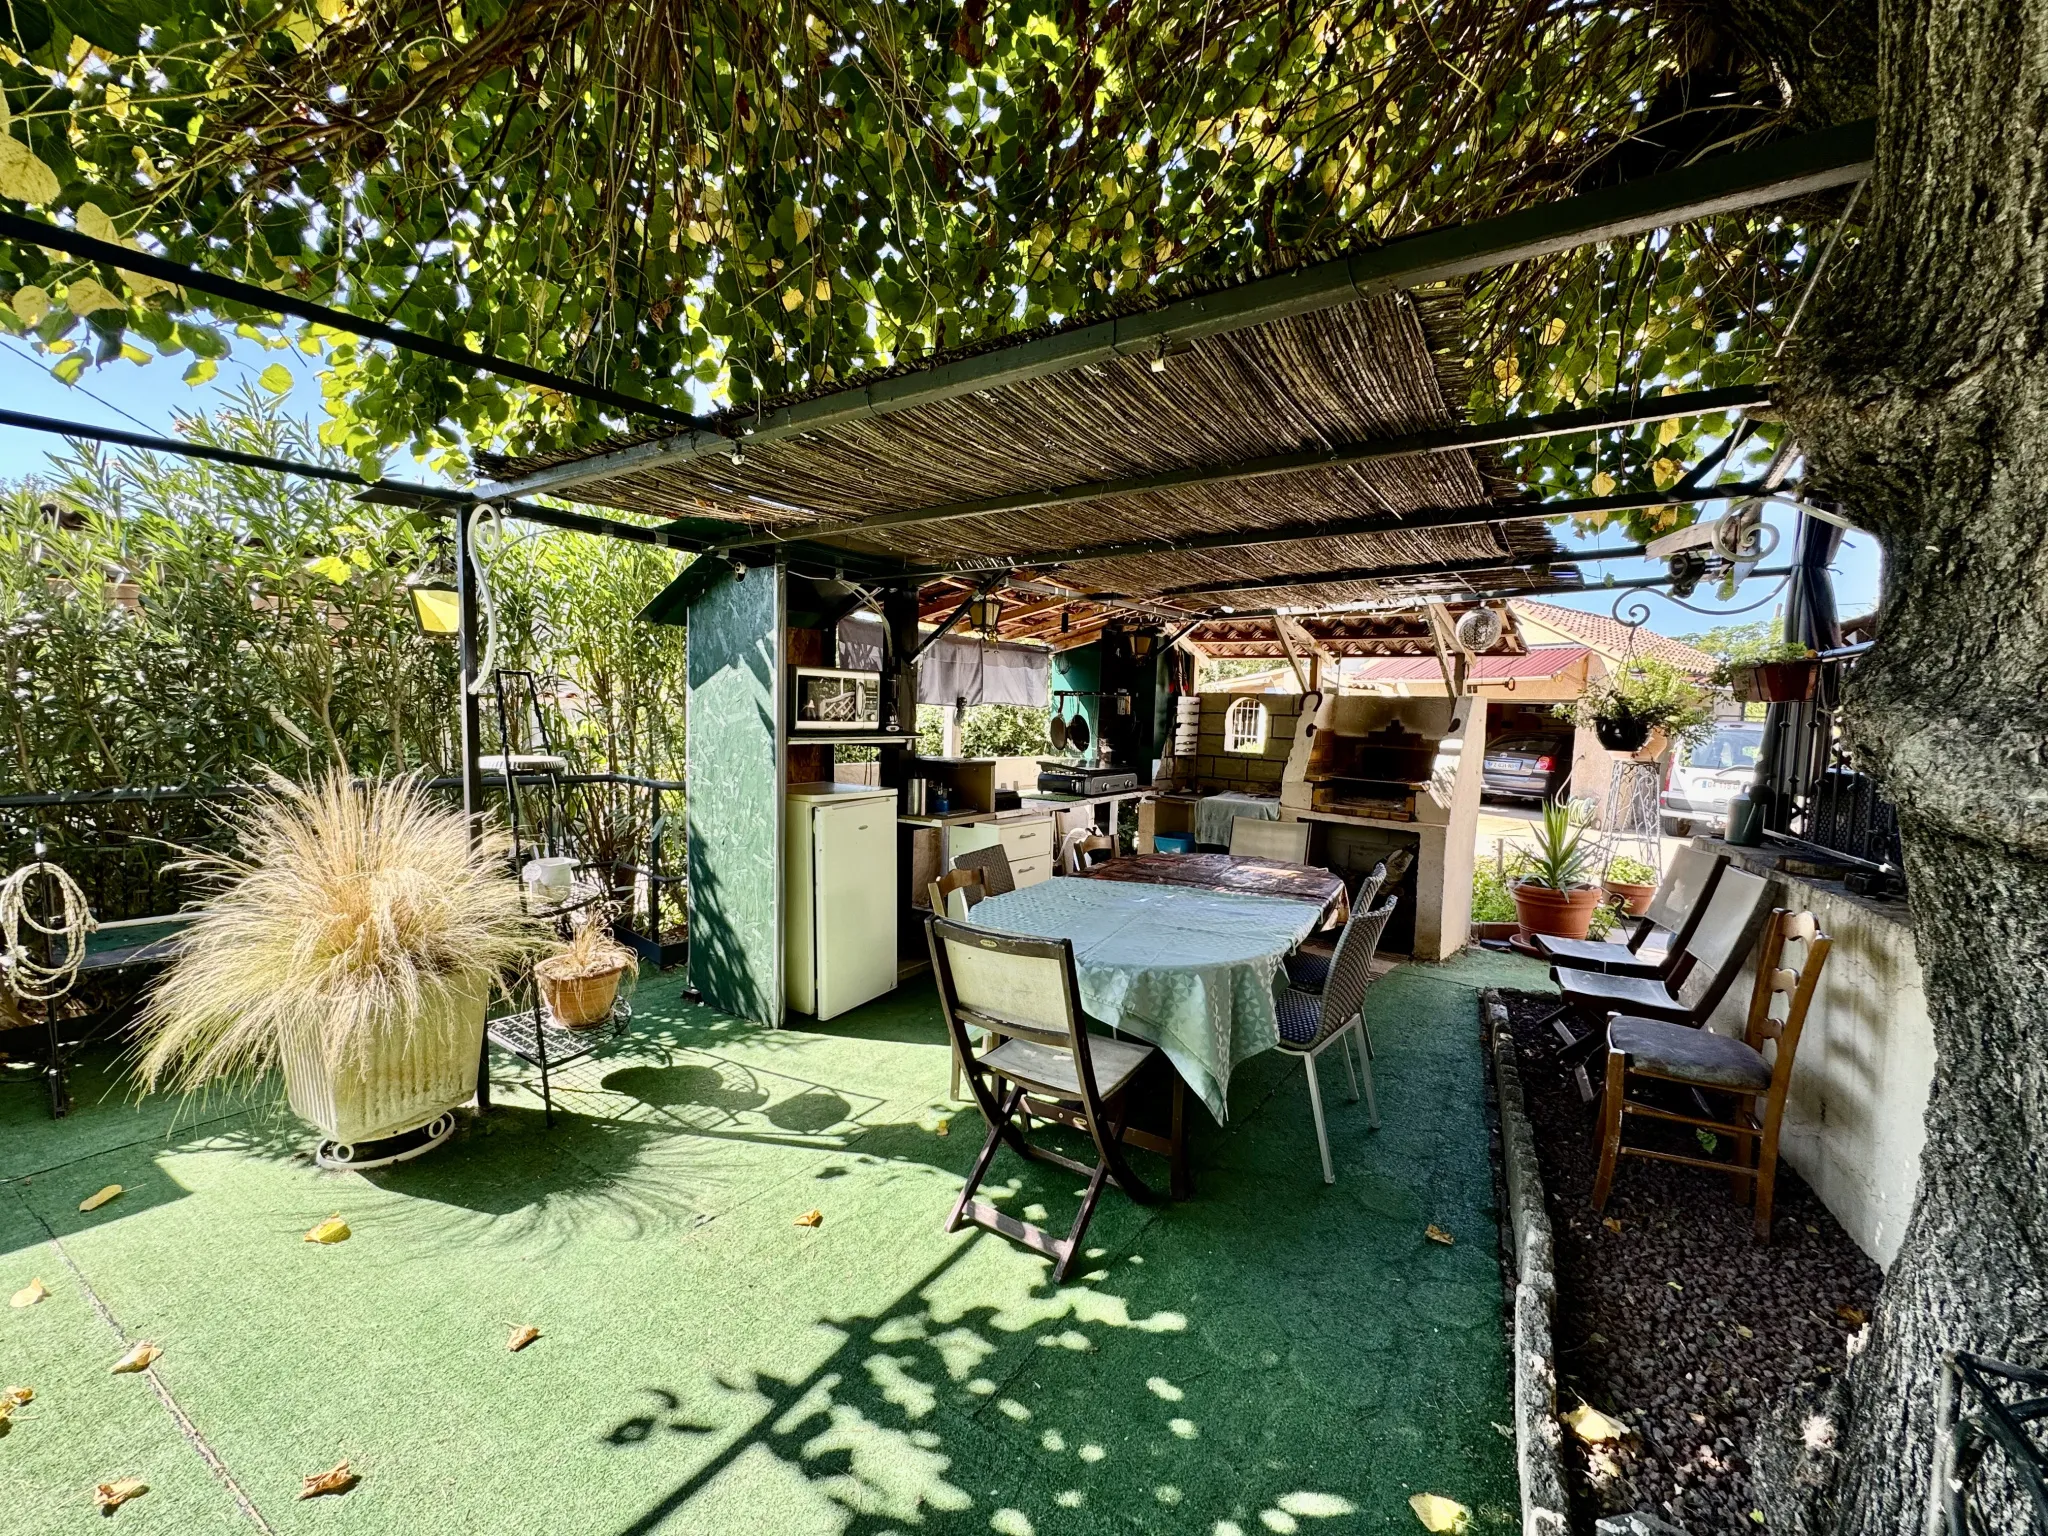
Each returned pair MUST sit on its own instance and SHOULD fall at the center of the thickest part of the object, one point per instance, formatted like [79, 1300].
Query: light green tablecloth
[1215, 813]
[1194, 972]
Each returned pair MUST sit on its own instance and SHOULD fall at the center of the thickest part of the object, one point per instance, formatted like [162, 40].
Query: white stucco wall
[1855, 1118]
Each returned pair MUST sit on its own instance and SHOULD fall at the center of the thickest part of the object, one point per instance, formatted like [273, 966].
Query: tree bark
[1920, 390]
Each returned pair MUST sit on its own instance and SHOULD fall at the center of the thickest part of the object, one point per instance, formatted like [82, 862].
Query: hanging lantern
[436, 608]
[984, 614]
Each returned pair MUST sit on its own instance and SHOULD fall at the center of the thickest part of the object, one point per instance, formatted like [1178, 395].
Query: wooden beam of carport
[1482, 515]
[1502, 564]
[1785, 168]
[1627, 412]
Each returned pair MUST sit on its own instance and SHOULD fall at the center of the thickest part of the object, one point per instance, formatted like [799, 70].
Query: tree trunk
[1921, 394]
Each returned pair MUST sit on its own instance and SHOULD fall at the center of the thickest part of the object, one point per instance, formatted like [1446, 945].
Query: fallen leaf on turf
[1438, 1513]
[336, 1479]
[1593, 1426]
[137, 1359]
[14, 1397]
[113, 1495]
[811, 1219]
[94, 1202]
[521, 1337]
[1437, 1234]
[30, 1294]
[1612, 1224]
[1853, 1316]
[332, 1230]
[943, 1128]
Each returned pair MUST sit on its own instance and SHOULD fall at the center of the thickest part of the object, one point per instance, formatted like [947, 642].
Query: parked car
[1525, 766]
[1703, 779]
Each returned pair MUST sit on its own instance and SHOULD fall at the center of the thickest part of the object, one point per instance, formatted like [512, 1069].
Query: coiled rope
[29, 978]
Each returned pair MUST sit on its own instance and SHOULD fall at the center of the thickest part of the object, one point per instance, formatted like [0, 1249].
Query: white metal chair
[1024, 993]
[1253, 838]
[1675, 912]
[1312, 1022]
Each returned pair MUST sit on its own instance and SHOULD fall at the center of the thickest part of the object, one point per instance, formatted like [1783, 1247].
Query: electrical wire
[34, 980]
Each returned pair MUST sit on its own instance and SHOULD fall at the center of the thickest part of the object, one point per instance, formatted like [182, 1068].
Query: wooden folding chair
[994, 864]
[1047, 1066]
[1253, 837]
[1709, 1063]
[1674, 911]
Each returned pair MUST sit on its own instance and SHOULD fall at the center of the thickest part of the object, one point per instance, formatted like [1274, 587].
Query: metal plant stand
[1631, 824]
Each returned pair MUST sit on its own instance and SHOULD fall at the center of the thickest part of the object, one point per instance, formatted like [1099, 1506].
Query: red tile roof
[1615, 638]
[1538, 661]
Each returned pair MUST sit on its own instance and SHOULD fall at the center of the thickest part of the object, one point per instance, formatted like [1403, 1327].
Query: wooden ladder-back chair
[1025, 993]
[1692, 989]
[1085, 850]
[967, 882]
[994, 864]
[1675, 912]
[1312, 1022]
[1308, 968]
[1708, 1063]
[1252, 837]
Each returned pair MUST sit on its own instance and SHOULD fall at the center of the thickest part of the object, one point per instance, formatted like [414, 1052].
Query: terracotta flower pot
[1562, 914]
[1777, 682]
[578, 1002]
[1635, 898]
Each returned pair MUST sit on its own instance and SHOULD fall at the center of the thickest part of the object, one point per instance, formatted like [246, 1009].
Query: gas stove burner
[1072, 779]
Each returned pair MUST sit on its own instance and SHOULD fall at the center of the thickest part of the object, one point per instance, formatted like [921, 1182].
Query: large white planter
[413, 1080]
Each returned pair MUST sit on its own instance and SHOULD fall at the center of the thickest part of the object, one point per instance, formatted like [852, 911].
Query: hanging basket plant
[1785, 674]
[1640, 700]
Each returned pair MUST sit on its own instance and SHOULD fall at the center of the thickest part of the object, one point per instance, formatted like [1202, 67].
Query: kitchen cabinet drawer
[1031, 871]
[1028, 839]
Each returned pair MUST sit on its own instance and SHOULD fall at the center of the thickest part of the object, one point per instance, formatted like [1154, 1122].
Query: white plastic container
[549, 881]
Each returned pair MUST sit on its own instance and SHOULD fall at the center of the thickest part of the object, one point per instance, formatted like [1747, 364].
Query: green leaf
[71, 368]
[202, 370]
[276, 378]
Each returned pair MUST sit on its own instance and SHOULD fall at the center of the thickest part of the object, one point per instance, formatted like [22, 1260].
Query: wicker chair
[1308, 968]
[994, 864]
[1312, 1022]
[1025, 994]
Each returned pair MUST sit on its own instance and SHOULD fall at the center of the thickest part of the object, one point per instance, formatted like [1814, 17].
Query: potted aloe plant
[1630, 882]
[1642, 702]
[1555, 893]
[352, 940]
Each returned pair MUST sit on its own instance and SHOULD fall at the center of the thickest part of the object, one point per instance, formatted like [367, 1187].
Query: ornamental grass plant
[344, 917]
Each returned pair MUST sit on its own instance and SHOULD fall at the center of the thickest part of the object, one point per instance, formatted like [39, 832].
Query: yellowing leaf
[31, 303]
[137, 1359]
[1438, 1513]
[1437, 1234]
[1593, 1426]
[811, 1219]
[112, 1496]
[23, 174]
[14, 1397]
[1744, 1332]
[336, 1479]
[333, 1229]
[1611, 1224]
[1603, 484]
[201, 371]
[1553, 333]
[800, 221]
[276, 378]
[823, 290]
[944, 1127]
[94, 1202]
[302, 29]
[1664, 473]
[1853, 1316]
[30, 1294]
[820, 34]
[792, 298]
[1667, 433]
[521, 1337]
[87, 294]
[93, 222]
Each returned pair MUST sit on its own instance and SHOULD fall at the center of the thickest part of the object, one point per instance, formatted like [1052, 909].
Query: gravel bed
[1679, 1324]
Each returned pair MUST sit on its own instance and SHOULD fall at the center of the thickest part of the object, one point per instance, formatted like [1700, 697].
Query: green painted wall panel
[735, 796]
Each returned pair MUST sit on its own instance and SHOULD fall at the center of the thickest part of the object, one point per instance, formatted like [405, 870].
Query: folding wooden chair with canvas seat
[994, 864]
[1674, 912]
[1312, 1022]
[1024, 992]
[1689, 993]
[1710, 1063]
[1308, 968]
[1251, 837]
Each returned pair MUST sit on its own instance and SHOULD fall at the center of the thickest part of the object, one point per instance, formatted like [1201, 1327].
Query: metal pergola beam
[1497, 563]
[1786, 168]
[1491, 434]
[1483, 515]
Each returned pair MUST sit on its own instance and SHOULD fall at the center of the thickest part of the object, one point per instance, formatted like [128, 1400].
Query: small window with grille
[1244, 727]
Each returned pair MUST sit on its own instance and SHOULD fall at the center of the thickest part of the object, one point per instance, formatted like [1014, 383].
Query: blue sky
[149, 398]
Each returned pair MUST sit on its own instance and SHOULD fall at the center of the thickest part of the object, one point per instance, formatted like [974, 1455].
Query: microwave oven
[826, 699]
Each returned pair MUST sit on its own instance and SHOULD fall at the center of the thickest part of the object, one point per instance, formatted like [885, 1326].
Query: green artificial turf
[1272, 1355]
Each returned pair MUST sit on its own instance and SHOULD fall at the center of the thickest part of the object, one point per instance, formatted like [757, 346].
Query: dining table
[1236, 874]
[1195, 971]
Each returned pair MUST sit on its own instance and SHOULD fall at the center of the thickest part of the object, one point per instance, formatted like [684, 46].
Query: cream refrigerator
[839, 896]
